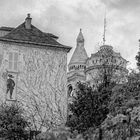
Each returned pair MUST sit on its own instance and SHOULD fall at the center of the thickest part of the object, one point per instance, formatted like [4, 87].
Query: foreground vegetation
[109, 111]
[13, 124]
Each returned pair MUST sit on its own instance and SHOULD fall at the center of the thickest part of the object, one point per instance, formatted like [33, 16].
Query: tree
[40, 111]
[138, 58]
[126, 95]
[124, 107]
[41, 89]
[89, 108]
[13, 124]
[91, 105]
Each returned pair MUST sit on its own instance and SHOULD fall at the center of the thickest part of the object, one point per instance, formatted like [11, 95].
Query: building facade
[89, 69]
[33, 71]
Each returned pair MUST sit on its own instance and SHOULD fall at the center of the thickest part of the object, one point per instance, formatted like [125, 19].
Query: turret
[77, 64]
[79, 56]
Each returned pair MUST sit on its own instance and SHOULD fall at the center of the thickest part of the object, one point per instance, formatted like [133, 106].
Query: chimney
[28, 22]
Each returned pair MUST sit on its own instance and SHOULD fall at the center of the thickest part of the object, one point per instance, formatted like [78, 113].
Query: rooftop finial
[80, 30]
[104, 35]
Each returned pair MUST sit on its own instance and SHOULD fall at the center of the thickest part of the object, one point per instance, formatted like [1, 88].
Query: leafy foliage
[138, 59]
[126, 96]
[90, 107]
[12, 122]
[124, 107]
[61, 133]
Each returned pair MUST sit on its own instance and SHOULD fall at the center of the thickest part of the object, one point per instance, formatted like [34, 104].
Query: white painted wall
[40, 82]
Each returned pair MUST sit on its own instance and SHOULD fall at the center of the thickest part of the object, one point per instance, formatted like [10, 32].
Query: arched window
[70, 88]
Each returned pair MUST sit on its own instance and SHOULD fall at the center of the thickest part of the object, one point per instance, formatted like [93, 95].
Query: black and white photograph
[69, 70]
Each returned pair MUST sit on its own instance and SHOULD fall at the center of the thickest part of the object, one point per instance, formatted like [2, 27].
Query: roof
[80, 37]
[52, 35]
[108, 51]
[31, 36]
[80, 54]
[3, 28]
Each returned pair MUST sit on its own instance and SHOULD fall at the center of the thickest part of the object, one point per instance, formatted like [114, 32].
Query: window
[13, 61]
[96, 61]
[69, 90]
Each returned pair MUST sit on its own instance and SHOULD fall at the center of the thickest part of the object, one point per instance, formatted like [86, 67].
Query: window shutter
[15, 61]
[10, 60]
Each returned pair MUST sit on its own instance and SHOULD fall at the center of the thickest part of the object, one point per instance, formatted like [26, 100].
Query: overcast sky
[64, 18]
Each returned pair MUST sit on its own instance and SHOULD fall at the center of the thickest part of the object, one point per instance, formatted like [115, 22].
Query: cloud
[122, 4]
[65, 17]
[123, 25]
[11, 12]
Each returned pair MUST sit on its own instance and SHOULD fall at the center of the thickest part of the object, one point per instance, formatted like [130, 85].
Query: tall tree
[89, 108]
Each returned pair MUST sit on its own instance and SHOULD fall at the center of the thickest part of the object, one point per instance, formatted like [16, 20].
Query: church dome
[79, 57]
[106, 47]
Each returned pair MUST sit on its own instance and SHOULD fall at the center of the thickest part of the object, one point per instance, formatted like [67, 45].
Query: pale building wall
[40, 82]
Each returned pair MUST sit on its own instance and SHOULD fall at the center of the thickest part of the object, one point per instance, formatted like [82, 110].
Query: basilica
[88, 69]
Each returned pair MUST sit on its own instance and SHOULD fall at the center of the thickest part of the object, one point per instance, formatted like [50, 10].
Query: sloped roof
[32, 36]
[80, 37]
[80, 54]
[52, 35]
[4, 28]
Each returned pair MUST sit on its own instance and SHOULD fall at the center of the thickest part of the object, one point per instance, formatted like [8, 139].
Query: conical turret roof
[80, 54]
[80, 37]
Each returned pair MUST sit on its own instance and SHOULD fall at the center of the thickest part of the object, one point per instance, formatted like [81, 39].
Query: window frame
[13, 61]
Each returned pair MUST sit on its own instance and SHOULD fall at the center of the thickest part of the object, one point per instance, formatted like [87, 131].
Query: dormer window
[13, 61]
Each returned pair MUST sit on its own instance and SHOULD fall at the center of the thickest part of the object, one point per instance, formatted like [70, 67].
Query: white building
[38, 65]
